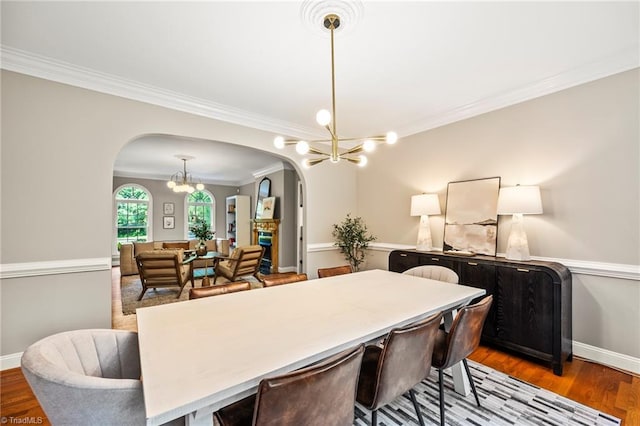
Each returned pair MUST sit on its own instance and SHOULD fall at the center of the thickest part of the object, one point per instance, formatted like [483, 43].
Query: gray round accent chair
[87, 377]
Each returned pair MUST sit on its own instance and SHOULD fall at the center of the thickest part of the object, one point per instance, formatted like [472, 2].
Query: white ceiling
[403, 66]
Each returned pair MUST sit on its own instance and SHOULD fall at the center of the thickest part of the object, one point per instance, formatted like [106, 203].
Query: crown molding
[624, 60]
[163, 177]
[274, 168]
[40, 66]
[28, 63]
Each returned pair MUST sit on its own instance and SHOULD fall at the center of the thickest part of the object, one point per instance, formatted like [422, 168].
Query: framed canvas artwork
[471, 218]
[268, 206]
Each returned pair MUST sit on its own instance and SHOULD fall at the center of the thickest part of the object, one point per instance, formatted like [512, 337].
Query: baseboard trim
[607, 357]
[10, 361]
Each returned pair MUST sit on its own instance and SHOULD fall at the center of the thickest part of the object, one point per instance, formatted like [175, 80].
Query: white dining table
[200, 355]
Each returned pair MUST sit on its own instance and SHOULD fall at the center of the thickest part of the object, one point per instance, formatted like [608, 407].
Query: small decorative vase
[201, 249]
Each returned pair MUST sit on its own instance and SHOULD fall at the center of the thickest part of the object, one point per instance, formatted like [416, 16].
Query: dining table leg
[460, 380]
[197, 419]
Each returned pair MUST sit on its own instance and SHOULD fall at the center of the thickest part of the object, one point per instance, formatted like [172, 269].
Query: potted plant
[352, 239]
[202, 232]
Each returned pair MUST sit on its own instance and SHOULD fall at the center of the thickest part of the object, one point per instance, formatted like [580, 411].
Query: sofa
[129, 251]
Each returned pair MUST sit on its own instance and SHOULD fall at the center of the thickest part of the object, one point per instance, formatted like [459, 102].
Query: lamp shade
[425, 204]
[520, 200]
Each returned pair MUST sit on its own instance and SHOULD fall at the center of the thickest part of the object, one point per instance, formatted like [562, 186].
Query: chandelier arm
[373, 138]
[353, 150]
[313, 150]
[351, 160]
[313, 161]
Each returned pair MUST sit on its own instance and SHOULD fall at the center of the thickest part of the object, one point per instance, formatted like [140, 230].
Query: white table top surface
[206, 353]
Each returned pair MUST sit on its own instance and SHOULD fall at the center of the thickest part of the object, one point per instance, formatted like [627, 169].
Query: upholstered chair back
[279, 279]
[216, 290]
[434, 272]
[87, 377]
[319, 395]
[335, 270]
[463, 337]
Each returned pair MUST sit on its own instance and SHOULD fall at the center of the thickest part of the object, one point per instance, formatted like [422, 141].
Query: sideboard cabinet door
[400, 261]
[481, 275]
[524, 310]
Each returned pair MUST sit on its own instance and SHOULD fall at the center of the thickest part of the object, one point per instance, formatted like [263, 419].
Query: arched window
[200, 205]
[132, 214]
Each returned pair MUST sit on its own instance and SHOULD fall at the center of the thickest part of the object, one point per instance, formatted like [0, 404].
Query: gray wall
[580, 145]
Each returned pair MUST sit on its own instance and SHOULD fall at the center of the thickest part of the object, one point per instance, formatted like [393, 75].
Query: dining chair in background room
[279, 279]
[319, 395]
[434, 272]
[215, 290]
[88, 377]
[462, 339]
[336, 270]
[393, 369]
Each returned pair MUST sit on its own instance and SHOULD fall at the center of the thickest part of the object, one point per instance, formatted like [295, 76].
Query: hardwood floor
[603, 388]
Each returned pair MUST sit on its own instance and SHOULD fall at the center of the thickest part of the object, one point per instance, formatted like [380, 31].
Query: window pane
[200, 207]
[132, 211]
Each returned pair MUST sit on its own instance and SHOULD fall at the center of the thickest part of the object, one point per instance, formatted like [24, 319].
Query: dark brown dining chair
[244, 261]
[336, 270]
[215, 290]
[462, 339]
[319, 395]
[402, 362]
[164, 269]
[271, 280]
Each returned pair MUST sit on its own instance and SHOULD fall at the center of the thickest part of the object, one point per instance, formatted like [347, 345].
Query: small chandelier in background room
[183, 181]
[328, 121]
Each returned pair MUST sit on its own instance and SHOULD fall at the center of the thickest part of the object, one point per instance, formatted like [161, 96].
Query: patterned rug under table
[505, 400]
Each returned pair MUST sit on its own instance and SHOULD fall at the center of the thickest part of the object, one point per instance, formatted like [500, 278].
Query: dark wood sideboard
[531, 311]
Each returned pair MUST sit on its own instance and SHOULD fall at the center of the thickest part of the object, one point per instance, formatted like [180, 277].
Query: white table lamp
[518, 201]
[423, 205]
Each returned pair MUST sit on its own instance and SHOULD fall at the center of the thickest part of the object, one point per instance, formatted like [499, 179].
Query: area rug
[505, 400]
[130, 288]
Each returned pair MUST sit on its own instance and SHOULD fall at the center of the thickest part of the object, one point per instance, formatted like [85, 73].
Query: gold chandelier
[328, 121]
[183, 181]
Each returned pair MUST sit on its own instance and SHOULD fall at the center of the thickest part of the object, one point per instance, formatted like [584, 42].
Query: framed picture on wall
[168, 208]
[471, 218]
[268, 206]
[168, 222]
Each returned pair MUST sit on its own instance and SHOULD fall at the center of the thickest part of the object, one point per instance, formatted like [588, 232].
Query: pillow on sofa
[142, 247]
[176, 245]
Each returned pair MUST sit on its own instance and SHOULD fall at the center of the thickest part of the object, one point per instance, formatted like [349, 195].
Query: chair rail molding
[582, 267]
[54, 267]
